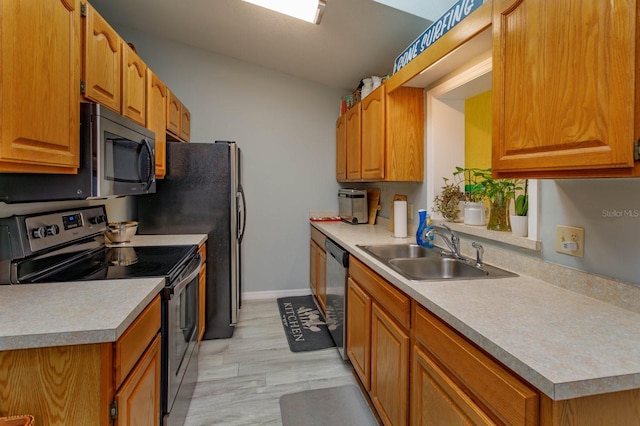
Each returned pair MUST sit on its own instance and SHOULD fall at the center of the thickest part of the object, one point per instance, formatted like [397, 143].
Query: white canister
[367, 87]
[377, 81]
[474, 213]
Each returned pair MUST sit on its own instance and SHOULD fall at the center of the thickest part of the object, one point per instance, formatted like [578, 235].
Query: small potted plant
[474, 205]
[447, 203]
[519, 221]
[499, 192]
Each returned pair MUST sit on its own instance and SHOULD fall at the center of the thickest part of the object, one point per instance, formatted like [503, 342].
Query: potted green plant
[474, 205]
[519, 221]
[447, 203]
[499, 192]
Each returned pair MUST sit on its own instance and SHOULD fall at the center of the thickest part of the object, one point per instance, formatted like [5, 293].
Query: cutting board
[396, 197]
[373, 203]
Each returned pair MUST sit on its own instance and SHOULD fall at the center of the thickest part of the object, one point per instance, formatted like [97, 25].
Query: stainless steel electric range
[68, 245]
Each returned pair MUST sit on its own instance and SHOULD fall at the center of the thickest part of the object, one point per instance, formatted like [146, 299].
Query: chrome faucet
[453, 244]
[479, 253]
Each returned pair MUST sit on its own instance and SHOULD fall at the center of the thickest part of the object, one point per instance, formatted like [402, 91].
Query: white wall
[285, 127]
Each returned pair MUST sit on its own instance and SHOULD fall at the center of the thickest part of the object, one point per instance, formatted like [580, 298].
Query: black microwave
[117, 158]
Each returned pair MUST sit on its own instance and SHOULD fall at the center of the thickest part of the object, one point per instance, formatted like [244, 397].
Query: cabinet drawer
[505, 395]
[396, 303]
[318, 237]
[133, 342]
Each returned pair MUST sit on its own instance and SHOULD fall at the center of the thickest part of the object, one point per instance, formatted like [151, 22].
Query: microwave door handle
[151, 175]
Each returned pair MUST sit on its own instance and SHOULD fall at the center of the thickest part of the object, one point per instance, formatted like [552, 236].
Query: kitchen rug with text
[303, 324]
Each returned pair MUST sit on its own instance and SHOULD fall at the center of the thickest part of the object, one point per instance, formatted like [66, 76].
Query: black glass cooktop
[110, 263]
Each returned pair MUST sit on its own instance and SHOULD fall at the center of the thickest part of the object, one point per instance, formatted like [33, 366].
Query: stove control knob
[53, 230]
[101, 218]
[39, 232]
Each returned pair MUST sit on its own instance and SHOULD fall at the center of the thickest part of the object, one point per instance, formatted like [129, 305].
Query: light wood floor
[241, 379]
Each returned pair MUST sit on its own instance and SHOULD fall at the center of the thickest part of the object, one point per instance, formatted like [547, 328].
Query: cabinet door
[102, 61]
[564, 86]
[389, 368]
[133, 86]
[313, 266]
[40, 86]
[138, 399]
[156, 119]
[185, 123]
[341, 148]
[359, 331]
[436, 399]
[354, 143]
[173, 114]
[373, 135]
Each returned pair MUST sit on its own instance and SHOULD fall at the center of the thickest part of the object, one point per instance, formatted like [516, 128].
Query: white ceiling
[356, 38]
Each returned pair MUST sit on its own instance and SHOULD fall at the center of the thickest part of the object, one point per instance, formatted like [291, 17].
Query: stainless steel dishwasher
[337, 271]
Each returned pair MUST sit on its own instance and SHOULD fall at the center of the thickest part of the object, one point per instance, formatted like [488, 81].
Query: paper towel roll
[400, 219]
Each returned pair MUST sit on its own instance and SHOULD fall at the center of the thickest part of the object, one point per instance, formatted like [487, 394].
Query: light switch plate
[570, 234]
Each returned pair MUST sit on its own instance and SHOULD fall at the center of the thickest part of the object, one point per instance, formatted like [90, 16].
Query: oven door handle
[195, 265]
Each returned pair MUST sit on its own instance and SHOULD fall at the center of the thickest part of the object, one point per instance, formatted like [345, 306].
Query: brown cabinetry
[378, 341]
[178, 119]
[454, 380]
[102, 62]
[317, 268]
[384, 137]
[157, 119]
[133, 86]
[93, 384]
[39, 79]
[341, 148]
[565, 88]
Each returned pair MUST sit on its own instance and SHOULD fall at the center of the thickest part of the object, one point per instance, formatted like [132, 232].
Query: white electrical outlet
[570, 240]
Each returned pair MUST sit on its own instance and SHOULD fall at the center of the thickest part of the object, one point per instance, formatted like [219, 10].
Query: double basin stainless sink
[429, 264]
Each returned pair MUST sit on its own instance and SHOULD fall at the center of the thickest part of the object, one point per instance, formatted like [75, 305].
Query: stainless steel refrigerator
[202, 194]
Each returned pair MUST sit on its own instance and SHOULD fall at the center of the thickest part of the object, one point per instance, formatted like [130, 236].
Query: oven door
[181, 334]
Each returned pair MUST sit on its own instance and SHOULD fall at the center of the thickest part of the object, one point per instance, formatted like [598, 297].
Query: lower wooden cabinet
[378, 341]
[317, 268]
[466, 377]
[389, 368]
[94, 384]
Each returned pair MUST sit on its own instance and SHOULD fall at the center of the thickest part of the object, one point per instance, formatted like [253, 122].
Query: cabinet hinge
[83, 10]
[113, 410]
[83, 87]
[636, 150]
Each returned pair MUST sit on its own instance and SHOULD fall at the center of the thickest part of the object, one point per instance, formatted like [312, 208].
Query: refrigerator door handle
[242, 213]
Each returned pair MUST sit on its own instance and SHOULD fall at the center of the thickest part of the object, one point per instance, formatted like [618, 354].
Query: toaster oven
[352, 206]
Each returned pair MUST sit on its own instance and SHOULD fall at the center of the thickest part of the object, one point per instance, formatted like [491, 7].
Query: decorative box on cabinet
[39, 79]
[566, 92]
[92, 384]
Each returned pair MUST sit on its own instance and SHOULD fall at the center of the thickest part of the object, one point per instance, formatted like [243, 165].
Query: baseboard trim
[274, 294]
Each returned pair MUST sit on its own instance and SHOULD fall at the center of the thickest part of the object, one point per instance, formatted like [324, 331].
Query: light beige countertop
[56, 314]
[75, 313]
[564, 343]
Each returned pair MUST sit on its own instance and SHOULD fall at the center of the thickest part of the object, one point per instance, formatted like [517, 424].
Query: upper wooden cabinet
[385, 137]
[341, 148]
[156, 114]
[134, 74]
[39, 89]
[566, 90]
[178, 119]
[102, 61]
[354, 148]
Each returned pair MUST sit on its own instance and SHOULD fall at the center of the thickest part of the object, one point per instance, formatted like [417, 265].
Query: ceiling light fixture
[307, 10]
